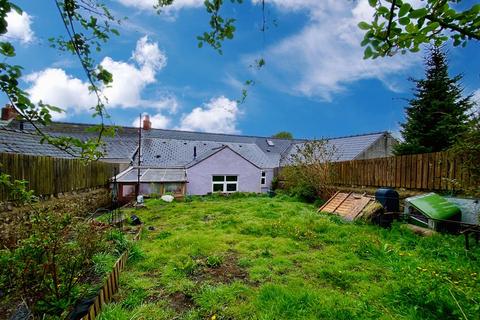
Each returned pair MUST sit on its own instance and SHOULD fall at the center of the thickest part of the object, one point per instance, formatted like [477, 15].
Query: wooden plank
[91, 313]
[413, 171]
[408, 171]
[431, 171]
[438, 172]
[419, 174]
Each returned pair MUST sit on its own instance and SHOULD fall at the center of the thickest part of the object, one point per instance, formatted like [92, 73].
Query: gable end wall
[224, 162]
[381, 148]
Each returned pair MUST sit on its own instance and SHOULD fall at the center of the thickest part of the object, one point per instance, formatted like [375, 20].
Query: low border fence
[111, 285]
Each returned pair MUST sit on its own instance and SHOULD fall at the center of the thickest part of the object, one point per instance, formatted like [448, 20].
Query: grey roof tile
[346, 148]
[174, 148]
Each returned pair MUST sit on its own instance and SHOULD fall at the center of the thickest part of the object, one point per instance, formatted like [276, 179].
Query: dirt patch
[228, 271]
[179, 301]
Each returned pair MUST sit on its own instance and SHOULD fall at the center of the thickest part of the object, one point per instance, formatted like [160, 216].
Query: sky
[315, 82]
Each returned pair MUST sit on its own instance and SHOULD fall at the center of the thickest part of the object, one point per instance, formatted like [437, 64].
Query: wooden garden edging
[111, 285]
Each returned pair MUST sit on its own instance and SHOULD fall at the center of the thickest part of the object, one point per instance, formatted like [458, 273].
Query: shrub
[304, 192]
[47, 265]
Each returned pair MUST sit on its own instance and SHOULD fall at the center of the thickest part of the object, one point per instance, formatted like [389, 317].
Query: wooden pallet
[348, 205]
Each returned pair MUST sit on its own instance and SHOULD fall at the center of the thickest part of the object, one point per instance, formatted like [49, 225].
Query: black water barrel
[389, 199]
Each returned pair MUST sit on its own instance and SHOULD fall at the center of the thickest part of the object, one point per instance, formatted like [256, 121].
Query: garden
[256, 257]
[53, 263]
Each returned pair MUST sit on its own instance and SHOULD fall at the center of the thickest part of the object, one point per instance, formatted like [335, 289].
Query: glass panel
[263, 173]
[263, 181]
[231, 187]
[232, 178]
[173, 187]
[218, 187]
[128, 190]
[218, 178]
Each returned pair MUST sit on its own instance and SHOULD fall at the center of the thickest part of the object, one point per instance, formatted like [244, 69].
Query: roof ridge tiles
[295, 140]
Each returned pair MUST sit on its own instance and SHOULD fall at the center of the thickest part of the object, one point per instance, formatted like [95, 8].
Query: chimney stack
[8, 112]
[147, 124]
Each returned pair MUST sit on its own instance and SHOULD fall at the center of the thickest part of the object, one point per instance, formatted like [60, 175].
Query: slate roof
[346, 148]
[174, 148]
[15, 141]
[179, 153]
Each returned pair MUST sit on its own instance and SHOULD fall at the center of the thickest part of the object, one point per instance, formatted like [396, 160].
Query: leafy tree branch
[399, 27]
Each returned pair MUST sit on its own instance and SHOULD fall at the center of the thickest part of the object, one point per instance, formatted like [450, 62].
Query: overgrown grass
[276, 258]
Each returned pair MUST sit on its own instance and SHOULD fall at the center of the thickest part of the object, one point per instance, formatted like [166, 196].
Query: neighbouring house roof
[346, 148]
[174, 148]
[15, 141]
[149, 175]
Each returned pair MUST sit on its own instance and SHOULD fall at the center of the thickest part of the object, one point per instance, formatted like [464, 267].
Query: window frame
[224, 183]
[263, 177]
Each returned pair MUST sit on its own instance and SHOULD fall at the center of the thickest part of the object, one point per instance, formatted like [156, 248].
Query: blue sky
[315, 82]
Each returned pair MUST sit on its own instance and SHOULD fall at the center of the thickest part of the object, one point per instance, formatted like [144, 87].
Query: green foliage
[399, 27]
[283, 135]
[103, 262]
[134, 298]
[275, 183]
[119, 240]
[438, 113]
[467, 148]
[309, 172]
[214, 261]
[16, 189]
[221, 28]
[304, 192]
[47, 265]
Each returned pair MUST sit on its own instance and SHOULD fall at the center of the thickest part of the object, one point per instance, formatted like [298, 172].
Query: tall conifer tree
[438, 113]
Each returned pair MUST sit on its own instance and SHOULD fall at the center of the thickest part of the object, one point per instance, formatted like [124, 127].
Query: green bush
[46, 265]
[304, 192]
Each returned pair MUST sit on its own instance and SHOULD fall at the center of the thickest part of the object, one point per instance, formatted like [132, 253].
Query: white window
[264, 178]
[224, 184]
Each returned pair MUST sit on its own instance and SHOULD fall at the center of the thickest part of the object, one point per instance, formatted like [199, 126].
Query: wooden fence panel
[47, 175]
[429, 171]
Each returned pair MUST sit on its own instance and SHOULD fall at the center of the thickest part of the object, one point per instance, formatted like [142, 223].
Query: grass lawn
[275, 258]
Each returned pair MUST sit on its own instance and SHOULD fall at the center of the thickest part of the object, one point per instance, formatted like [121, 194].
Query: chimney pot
[147, 124]
[8, 112]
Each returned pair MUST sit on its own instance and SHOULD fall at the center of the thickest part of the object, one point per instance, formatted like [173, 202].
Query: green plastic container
[434, 206]
[433, 211]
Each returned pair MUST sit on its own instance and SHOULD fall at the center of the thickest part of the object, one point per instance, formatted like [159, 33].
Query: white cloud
[476, 100]
[149, 4]
[56, 87]
[19, 27]
[129, 80]
[325, 56]
[218, 115]
[159, 121]
[148, 55]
